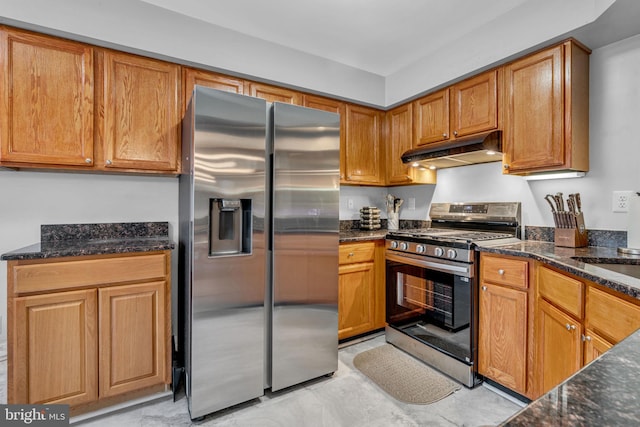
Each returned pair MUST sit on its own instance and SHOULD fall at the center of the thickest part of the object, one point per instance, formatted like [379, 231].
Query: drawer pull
[484, 288]
[570, 327]
[501, 272]
[350, 254]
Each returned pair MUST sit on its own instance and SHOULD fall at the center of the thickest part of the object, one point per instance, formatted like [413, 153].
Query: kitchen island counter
[604, 393]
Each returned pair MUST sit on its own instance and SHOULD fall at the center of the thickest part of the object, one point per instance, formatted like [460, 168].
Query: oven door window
[431, 306]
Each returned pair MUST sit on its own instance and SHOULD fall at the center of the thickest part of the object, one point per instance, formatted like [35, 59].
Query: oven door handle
[421, 262]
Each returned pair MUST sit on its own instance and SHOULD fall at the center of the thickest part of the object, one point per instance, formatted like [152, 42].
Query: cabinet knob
[88, 160]
[455, 133]
[109, 162]
[444, 135]
[586, 338]
[350, 254]
[570, 327]
[505, 166]
[501, 272]
[484, 288]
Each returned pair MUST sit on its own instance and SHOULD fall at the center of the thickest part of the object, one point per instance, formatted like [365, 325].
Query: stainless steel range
[431, 288]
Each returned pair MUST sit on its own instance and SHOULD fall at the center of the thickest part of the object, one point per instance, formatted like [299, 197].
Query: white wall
[30, 199]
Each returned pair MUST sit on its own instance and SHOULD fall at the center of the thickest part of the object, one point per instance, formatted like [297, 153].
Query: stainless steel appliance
[259, 230]
[431, 289]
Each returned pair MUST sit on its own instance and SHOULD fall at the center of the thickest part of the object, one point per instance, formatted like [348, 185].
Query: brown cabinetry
[360, 288]
[85, 331]
[273, 93]
[46, 101]
[577, 322]
[332, 106]
[192, 77]
[504, 333]
[466, 108]
[364, 150]
[547, 111]
[139, 125]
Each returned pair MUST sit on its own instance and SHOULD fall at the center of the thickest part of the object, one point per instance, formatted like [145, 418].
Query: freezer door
[306, 193]
[226, 287]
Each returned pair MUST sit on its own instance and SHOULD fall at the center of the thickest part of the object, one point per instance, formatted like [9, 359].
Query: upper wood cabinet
[466, 108]
[398, 139]
[273, 93]
[431, 118]
[46, 100]
[364, 151]
[332, 106]
[139, 124]
[547, 111]
[474, 104]
[192, 77]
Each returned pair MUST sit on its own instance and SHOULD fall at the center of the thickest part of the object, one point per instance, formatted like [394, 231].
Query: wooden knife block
[572, 237]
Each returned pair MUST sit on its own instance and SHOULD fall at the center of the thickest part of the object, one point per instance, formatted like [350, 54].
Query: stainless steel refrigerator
[259, 201]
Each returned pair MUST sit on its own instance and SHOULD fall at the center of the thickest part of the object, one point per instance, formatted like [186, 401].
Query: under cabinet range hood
[481, 148]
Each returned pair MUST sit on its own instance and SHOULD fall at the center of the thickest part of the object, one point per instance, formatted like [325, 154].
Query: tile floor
[346, 399]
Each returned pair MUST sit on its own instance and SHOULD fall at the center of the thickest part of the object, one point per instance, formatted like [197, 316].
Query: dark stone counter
[361, 235]
[69, 240]
[582, 262]
[604, 393]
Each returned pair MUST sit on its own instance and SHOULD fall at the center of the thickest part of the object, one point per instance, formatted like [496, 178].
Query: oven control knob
[438, 251]
[451, 253]
[393, 244]
[404, 246]
[420, 249]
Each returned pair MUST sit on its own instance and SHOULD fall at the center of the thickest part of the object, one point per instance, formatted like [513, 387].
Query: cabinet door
[534, 122]
[363, 154]
[431, 118]
[356, 299]
[474, 106]
[46, 100]
[55, 335]
[332, 106]
[594, 346]
[133, 337]
[399, 139]
[502, 336]
[273, 93]
[192, 77]
[559, 346]
[140, 126]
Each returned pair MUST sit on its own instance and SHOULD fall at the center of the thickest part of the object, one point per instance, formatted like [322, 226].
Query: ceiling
[378, 36]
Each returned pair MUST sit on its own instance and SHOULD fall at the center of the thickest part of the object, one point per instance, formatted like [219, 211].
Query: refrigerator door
[306, 190]
[224, 243]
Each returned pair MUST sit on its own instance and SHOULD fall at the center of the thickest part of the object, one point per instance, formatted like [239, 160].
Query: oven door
[431, 300]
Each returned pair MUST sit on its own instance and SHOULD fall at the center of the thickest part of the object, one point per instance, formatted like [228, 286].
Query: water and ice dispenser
[230, 227]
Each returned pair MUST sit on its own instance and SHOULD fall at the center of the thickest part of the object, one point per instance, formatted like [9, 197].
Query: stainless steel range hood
[480, 148]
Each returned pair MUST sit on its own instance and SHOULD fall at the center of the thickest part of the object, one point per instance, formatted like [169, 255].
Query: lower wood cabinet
[505, 353]
[91, 338]
[360, 288]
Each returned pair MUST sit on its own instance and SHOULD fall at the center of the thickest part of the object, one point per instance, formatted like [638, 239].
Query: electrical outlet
[350, 203]
[411, 204]
[621, 201]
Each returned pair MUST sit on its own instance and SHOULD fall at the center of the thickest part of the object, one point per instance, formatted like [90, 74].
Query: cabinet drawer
[351, 253]
[75, 274]
[505, 271]
[562, 291]
[610, 315]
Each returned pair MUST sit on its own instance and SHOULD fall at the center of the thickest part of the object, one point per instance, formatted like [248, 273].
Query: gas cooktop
[447, 234]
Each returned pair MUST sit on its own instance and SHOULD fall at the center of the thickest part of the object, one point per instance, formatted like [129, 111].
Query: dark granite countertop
[362, 235]
[606, 392]
[68, 240]
[582, 262]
